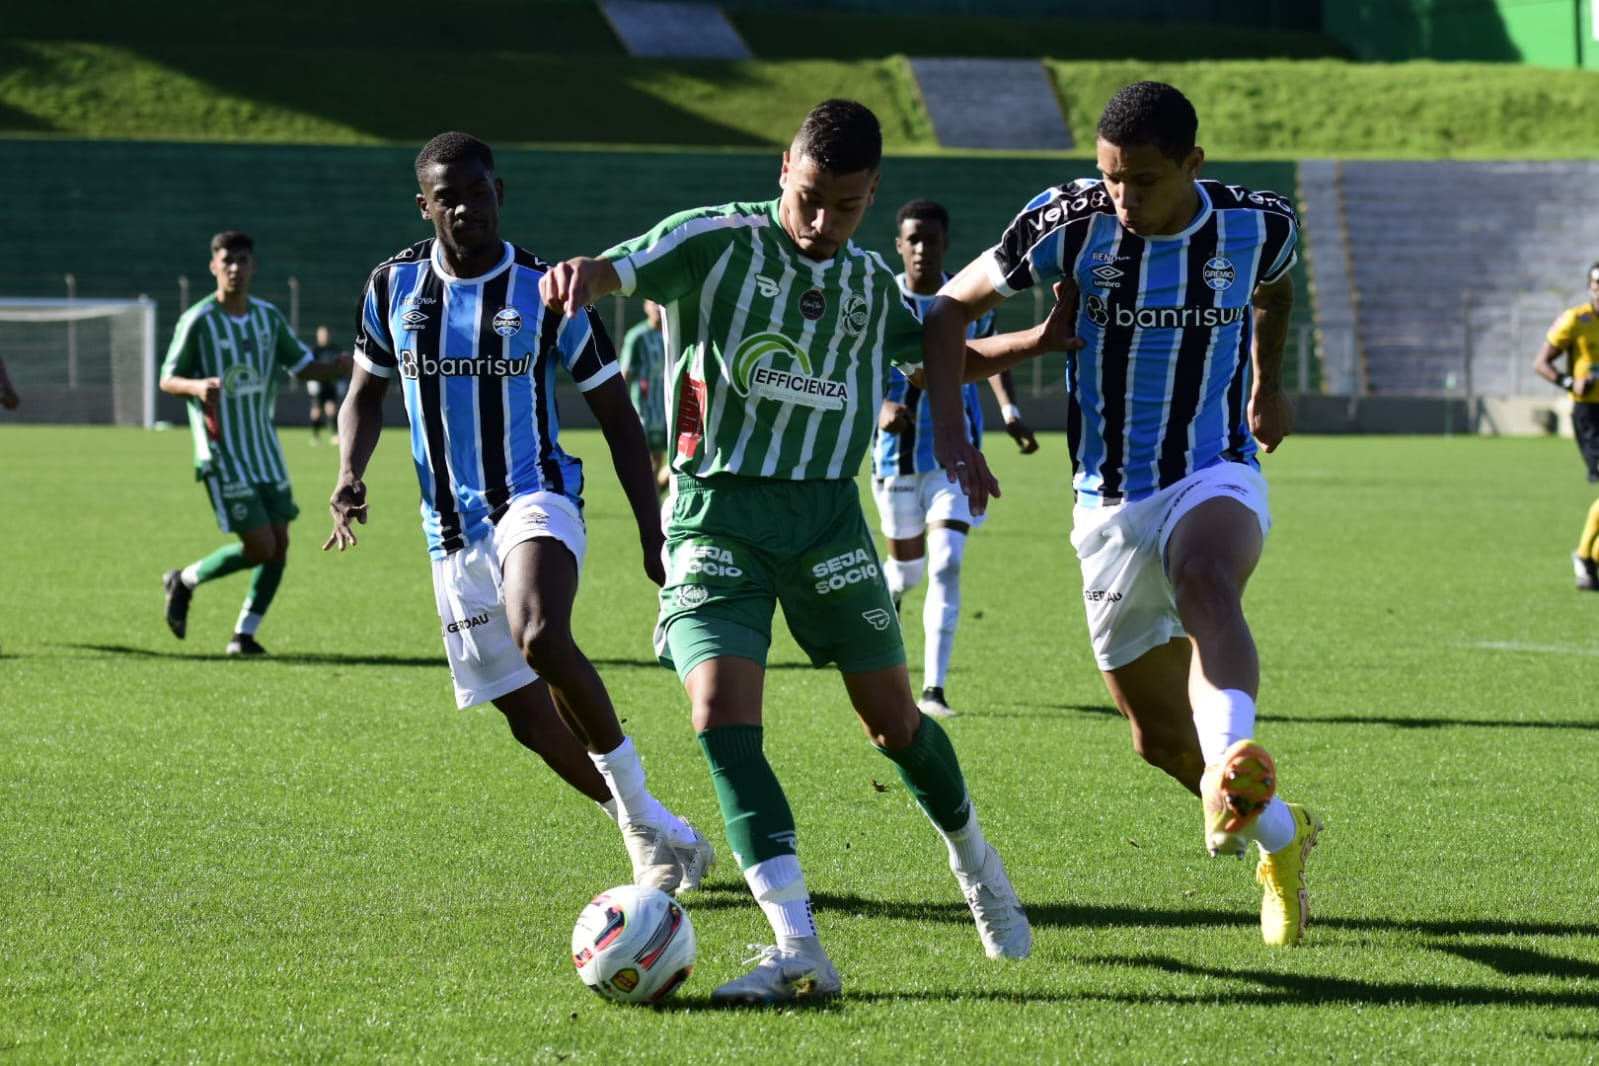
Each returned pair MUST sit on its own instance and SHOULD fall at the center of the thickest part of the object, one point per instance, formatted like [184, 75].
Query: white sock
[941, 612]
[968, 848]
[190, 575]
[902, 575]
[609, 807]
[624, 776]
[1274, 829]
[1222, 719]
[248, 622]
[779, 887]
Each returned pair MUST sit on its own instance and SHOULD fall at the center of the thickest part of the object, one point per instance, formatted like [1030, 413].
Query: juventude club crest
[853, 317]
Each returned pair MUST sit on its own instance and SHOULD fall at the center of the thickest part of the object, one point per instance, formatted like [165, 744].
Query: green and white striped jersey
[237, 440]
[776, 364]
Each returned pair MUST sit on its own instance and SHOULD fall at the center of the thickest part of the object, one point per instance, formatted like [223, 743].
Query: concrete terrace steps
[992, 103]
[1451, 259]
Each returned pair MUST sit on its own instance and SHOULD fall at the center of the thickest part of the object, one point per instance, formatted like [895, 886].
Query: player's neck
[465, 264]
[237, 305]
[926, 285]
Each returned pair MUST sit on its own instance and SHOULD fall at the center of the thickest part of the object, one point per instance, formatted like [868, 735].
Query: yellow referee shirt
[1576, 332]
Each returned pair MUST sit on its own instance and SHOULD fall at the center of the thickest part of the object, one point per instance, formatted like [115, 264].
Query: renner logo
[468, 623]
[842, 571]
[428, 366]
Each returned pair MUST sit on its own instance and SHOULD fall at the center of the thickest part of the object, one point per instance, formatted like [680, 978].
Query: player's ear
[422, 206]
[499, 191]
[871, 194]
[782, 175]
[1195, 161]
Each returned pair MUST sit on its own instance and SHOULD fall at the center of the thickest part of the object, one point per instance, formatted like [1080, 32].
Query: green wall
[128, 217]
[1548, 33]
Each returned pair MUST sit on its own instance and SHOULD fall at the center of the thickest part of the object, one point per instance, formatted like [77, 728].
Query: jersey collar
[444, 272]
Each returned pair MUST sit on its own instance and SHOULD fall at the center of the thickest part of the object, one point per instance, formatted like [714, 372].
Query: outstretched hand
[348, 503]
[963, 462]
[570, 286]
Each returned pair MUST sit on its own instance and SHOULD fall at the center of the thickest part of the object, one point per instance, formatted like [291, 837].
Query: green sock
[759, 824]
[228, 559]
[931, 771]
[264, 586]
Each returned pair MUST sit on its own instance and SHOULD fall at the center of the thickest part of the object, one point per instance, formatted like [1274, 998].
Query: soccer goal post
[82, 360]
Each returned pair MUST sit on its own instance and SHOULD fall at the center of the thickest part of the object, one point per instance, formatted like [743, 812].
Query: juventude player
[1185, 294]
[924, 515]
[778, 335]
[225, 357]
[458, 318]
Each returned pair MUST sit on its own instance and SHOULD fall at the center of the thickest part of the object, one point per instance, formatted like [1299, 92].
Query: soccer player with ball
[779, 332]
[1176, 384]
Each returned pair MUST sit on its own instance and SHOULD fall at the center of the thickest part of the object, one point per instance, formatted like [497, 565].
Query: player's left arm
[630, 457]
[1271, 412]
[8, 392]
[588, 355]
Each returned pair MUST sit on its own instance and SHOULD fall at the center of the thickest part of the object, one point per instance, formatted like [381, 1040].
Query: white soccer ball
[633, 944]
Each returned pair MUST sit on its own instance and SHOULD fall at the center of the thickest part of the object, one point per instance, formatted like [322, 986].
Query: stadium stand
[1437, 245]
[674, 30]
[992, 103]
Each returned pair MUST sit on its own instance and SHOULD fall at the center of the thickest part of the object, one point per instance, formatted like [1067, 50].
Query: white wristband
[1011, 412]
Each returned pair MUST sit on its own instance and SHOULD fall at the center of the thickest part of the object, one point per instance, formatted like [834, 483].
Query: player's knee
[545, 645]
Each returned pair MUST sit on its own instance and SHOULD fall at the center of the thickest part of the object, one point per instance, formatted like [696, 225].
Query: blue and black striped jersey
[1162, 388]
[911, 452]
[476, 359]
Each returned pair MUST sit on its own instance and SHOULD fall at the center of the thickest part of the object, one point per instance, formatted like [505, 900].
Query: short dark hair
[233, 240]
[1150, 112]
[841, 137]
[453, 147]
[1593, 270]
[923, 211]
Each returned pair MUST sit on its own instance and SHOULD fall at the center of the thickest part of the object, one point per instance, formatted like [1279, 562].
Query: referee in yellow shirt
[1575, 337]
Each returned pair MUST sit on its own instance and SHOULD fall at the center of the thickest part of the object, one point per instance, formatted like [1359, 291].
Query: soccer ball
[633, 944]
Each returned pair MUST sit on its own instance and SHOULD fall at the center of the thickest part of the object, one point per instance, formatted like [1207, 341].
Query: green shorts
[655, 438]
[738, 546]
[243, 505]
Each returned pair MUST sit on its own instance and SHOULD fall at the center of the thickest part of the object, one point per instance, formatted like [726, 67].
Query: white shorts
[468, 586]
[908, 503]
[1122, 549]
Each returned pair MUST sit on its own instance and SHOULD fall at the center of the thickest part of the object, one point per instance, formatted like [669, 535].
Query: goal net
[82, 360]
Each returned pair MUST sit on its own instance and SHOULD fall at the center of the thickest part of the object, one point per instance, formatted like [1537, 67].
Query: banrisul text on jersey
[1162, 387]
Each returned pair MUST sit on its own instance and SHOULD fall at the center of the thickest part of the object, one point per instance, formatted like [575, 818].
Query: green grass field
[315, 858]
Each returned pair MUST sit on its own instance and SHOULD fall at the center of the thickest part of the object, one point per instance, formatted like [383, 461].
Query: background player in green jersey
[778, 335]
[226, 355]
[643, 362]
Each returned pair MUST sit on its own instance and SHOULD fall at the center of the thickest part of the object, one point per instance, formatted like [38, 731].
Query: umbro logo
[413, 319]
[766, 286]
[1106, 274]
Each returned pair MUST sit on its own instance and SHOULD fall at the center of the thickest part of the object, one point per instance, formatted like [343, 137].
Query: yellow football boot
[1234, 791]
[1283, 908]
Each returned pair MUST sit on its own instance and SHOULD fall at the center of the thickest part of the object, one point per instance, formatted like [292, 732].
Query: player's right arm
[1558, 344]
[361, 414]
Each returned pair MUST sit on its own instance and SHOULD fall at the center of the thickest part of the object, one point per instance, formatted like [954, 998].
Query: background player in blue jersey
[459, 318]
[1185, 296]
[925, 517]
